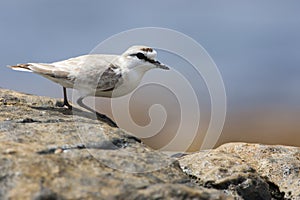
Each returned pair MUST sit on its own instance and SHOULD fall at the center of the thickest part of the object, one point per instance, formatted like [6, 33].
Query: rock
[48, 152]
[172, 191]
[247, 171]
[279, 164]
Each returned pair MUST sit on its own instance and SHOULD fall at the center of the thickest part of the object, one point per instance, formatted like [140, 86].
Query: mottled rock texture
[48, 152]
[279, 164]
[248, 171]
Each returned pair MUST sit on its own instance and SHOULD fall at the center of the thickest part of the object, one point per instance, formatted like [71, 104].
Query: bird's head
[142, 57]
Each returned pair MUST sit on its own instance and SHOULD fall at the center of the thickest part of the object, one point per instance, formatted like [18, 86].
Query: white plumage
[98, 74]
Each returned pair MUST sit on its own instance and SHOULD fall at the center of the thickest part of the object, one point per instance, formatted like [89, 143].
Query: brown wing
[109, 79]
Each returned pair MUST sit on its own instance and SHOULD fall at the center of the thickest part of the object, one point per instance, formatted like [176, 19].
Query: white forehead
[147, 51]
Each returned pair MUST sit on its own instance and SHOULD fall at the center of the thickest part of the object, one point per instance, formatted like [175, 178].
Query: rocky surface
[280, 164]
[49, 152]
[248, 171]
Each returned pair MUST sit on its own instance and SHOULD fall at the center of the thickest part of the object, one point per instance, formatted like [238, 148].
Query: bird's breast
[130, 81]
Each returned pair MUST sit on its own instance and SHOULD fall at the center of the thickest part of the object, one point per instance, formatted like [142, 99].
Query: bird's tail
[43, 69]
[21, 67]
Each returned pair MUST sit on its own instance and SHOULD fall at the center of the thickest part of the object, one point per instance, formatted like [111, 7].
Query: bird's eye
[140, 55]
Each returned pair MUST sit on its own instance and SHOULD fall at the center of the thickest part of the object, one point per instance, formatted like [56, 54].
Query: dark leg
[66, 103]
[100, 116]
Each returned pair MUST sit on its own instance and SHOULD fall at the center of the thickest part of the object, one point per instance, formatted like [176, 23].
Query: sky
[255, 44]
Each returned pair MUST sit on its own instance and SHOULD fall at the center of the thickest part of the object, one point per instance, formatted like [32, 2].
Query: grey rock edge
[48, 152]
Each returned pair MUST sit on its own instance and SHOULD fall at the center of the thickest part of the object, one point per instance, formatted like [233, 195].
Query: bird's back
[84, 69]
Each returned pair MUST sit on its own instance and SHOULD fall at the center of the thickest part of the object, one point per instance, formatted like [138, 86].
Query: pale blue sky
[255, 44]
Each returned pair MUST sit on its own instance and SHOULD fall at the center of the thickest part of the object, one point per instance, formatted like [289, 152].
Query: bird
[99, 75]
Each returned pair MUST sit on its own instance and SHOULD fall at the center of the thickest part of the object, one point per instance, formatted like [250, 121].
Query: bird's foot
[69, 106]
[63, 104]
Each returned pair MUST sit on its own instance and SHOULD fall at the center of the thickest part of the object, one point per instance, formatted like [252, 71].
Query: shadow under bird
[99, 75]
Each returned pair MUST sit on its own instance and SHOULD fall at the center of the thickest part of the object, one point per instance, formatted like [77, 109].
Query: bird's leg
[66, 102]
[103, 118]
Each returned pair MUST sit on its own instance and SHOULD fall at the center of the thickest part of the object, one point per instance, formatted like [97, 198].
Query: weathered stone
[47, 152]
[279, 164]
[172, 191]
[247, 171]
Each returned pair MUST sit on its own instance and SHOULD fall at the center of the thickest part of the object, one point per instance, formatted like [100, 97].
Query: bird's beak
[157, 63]
[161, 66]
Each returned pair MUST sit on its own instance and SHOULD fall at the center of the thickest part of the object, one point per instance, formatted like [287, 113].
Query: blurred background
[255, 44]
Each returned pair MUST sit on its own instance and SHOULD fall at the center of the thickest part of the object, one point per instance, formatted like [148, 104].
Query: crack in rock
[107, 145]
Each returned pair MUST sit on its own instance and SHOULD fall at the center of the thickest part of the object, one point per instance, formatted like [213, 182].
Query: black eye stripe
[141, 56]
